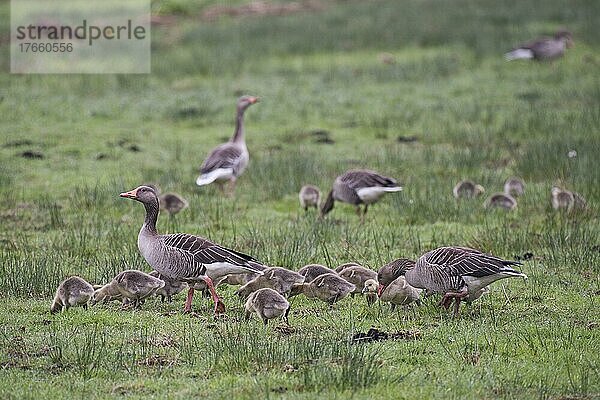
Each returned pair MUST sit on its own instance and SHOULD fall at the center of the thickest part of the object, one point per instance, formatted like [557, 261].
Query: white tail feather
[519, 54]
[217, 174]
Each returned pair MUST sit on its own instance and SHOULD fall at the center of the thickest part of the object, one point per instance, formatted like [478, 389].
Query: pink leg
[457, 297]
[219, 306]
[188, 302]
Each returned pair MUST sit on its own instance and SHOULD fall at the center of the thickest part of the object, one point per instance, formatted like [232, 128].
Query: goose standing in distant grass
[310, 196]
[358, 187]
[329, 288]
[130, 285]
[459, 273]
[514, 186]
[501, 200]
[186, 257]
[397, 293]
[357, 276]
[467, 189]
[73, 291]
[311, 271]
[542, 49]
[267, 304]
[227, 162]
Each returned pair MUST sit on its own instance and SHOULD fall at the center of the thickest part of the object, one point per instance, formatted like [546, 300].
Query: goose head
[143, 194]
[565, 36]
[246, 101]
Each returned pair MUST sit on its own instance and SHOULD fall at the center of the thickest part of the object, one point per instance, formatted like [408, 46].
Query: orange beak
[254, 100]
[379, 290]
[132, 194]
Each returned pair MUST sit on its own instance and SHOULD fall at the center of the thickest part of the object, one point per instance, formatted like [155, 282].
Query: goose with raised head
[397, 293]
[311, 271]
[310, 196]
[132, 285]
[186, 257]
[279, 279]
[514, 186]
[467, 189]
[267, 304]
[329, 288]
[358, 187]
[542, 49]
[501, 200]
[459, 273]
[73, 291]
[227, 162]
[358, 275]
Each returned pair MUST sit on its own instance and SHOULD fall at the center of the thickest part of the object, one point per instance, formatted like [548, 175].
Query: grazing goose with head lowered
[358, 187]
[501, 200]
[399, 292]
[459, 273]
[171, 287]
[228, 161]
[357, 276]
[514, 186]
[467, 189]
[186, 257]
[542, 49]
[309, 196]
[329, 288]
[278, 279]
[392, 271]
[267, 304]
[72, 292]
[311, 271]
[343, 266]
[132, 285]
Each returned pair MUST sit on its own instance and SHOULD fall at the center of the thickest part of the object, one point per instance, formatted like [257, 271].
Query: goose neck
[238, 134]
[151, 216]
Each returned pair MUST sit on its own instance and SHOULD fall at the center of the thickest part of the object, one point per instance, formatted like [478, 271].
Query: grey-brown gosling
[73, 291]
[131, 284]
[329, 288]
[342, 267]
[501, 200]
[399, 292]
[467, 189]
[357, 276]
[267, 304]
[172, 203]
[514, 186]
[279, 279]
[311, 271]
[171, 287]
[566, 200]
[310, 196]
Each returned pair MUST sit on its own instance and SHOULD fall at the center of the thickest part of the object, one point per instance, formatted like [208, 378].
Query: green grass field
[473, 115]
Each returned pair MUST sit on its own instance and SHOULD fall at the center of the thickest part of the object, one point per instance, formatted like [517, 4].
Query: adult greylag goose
[172, 203]
[399, 292]
[132, 285]
[311, 271]
[501, 200]
[358, 187]
[459, 273]
[514, 186]
[467, 189]
[171, 287]
[358, 275]
[227, 162]
[329, 288]
[542, 49]
[73, 291]
[392, 271]
[186, 257]
[267, 304]
[309, 196]
[279, 279]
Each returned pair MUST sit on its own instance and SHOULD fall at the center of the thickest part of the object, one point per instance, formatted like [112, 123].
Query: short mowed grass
[448, 107]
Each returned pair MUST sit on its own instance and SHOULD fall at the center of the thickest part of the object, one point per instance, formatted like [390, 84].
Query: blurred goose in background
[357, 276]
[342, 267]
[329, 288]
[542, 49]
[358, 187]
[311, 271]
[310, 196]
[73, 291]
[399, 292]
[172, 203]
[227, 162]
[514, 186]
[132, 285]
[467, 189]
[501, 200]
[267, 304]
[278, 279]
[566, 200]
[459, 273]
[186, 257]
[171, 287]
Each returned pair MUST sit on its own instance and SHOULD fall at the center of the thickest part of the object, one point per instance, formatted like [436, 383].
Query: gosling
[342, 267]
[170, 289]
[399, 292]
[310, 196]
[467, 189]
[501, 200]
[329, 288]
[357, 276]
[311, 271]
[131, 285]
[514, 186]
[73, 291]
[172, 203]
[267, 304]
[279, 279]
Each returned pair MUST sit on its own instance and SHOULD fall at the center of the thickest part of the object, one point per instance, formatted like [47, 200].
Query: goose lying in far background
[459, 273]
[514, 186]
[132, 285]
[186, 257]
[73, 291]
[542, 49]
[358, 187]
[310, 196]
[467, 189]
[501, 200]
[227, 162]
[267, 304]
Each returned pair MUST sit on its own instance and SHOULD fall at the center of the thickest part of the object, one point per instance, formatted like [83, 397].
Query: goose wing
[227, 155]
[357, 179]
[463, 261]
